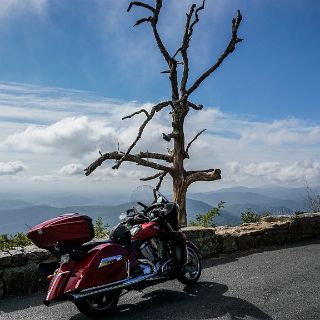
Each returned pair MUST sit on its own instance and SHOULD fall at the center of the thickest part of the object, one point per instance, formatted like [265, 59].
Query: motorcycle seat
[78, 249]
[90, 245]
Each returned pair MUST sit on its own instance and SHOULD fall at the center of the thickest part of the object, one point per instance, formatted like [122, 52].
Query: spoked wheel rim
[192, 268]
[101, 302]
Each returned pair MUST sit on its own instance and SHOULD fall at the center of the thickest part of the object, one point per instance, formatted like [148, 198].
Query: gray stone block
[5, 259]
[229, 244]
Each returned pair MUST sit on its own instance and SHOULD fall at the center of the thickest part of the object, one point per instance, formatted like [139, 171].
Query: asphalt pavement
[275, 283]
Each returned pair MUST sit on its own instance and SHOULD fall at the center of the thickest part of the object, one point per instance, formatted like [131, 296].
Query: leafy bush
[249, 216]
[10, 241]
[207, 220]
[101, 230]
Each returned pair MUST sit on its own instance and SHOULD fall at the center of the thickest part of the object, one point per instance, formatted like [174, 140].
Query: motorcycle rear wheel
[191, 271]
[99, 306]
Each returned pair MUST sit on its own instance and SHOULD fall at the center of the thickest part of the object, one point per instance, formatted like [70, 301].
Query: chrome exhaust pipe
[149, 271]
[87, 293]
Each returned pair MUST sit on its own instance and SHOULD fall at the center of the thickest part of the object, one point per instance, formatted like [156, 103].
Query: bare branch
[140, 4]
[137, 112]
[159, 175]
[190, 143]
[155, 176]
[170, 61]
[195, 106]
[202, 175]
[155, 155]
[183, 49]
[150, 115]
[186, 42]
[168, 137]
[140, 21]
[230, 48]
[196, 20]
[160, 180]
[136, 158]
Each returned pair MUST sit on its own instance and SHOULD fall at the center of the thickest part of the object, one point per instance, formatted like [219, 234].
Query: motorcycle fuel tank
[148, 230]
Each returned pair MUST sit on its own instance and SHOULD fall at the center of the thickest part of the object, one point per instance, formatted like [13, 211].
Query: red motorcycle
[146, 248]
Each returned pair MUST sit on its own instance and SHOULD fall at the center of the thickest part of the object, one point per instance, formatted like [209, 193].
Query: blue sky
[81, 44]
[75, 64]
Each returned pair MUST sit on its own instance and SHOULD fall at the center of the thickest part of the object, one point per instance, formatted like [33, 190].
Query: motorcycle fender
[104, 264]
[59, 282]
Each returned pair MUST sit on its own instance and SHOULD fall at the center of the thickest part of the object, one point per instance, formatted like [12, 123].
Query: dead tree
[172, 163]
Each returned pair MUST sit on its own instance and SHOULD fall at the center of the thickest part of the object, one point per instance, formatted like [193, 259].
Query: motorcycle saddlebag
[67, 229]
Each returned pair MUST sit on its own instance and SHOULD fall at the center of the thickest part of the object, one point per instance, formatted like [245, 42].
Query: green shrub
[249, 216]
[10, 241]
[101, 230]
[207, 220]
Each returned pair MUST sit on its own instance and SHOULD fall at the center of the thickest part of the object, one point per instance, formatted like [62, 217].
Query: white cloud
[108, 174]
[295, 172]
[75, 136]
[11, 168]
[72, 169]
[14, 7]
[70, 127]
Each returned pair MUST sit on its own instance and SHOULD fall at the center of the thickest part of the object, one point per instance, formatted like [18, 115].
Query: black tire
[99, 306]
[191, 271]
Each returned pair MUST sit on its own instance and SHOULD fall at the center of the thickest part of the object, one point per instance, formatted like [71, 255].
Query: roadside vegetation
[249, 216]
[10, 241]
[207, 219]
[101, 230]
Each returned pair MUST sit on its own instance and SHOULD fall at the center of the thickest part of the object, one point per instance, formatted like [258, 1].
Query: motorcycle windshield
[144, 196]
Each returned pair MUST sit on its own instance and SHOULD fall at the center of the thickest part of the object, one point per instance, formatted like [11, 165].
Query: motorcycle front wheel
[99, 306]
[191, 271]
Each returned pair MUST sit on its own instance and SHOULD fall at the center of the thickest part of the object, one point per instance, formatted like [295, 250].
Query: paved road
[279, 283]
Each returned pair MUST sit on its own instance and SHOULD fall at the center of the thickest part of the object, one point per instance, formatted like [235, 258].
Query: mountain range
[17, 215]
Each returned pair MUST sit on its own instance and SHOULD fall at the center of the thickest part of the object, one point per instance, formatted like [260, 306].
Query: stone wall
[273, 230]
[18, 268]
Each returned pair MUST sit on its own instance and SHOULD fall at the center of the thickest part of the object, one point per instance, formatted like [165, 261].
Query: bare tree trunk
[179, 197]
[179, 174]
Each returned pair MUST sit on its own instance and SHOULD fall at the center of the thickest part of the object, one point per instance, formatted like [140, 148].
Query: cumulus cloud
[11, 168]
[70, 127]
[73, 135]
[297, 171]
[72, 169]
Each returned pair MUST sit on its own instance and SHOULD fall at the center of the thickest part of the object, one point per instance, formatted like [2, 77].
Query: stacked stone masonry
[18, 268]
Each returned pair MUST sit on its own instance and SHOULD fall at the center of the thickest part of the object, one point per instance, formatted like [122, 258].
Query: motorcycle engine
[149, 250]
